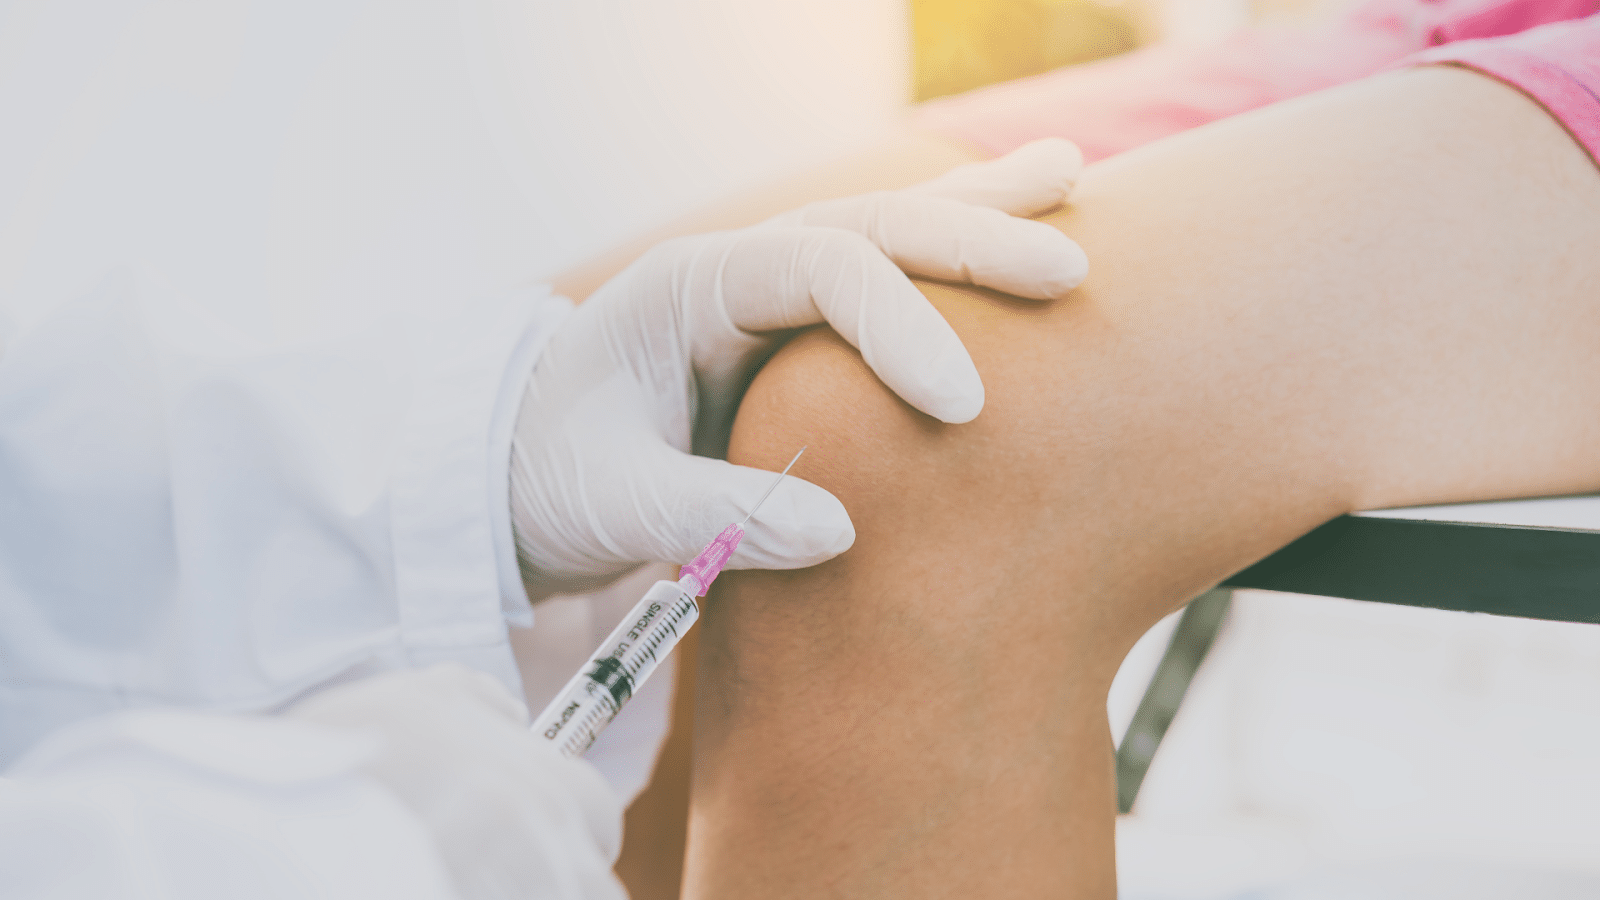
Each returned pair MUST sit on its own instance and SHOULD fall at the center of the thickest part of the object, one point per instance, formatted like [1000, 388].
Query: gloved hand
[654, 363]
[512, 818]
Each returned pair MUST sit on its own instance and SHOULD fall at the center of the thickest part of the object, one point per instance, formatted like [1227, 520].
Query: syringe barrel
[619, 667]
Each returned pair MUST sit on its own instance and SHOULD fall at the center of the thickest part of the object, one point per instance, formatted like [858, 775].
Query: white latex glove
[655, 362]
[511, 817]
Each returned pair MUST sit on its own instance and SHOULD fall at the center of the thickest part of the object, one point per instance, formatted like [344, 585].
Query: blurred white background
[1328, 735]
[639, 111]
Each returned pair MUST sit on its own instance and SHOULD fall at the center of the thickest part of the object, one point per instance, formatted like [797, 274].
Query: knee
[864, 445]
[944, 514]
[910, 482]
[863, 442]
[895, 467]
[1011, 520]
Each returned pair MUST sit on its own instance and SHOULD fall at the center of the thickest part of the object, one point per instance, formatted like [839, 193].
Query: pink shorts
[1557, 65]
[1117, 104]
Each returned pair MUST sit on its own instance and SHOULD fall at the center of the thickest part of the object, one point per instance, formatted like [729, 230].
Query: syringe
[630, 655]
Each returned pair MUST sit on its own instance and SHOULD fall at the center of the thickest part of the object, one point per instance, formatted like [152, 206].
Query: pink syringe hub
[708, 565]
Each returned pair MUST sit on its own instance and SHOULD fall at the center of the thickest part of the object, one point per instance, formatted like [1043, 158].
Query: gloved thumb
[798, 525]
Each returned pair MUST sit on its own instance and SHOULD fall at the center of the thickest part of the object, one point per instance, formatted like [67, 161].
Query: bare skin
[1380, 295]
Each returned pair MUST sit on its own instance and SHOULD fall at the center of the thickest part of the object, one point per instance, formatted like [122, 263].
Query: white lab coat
[262, 350]
[160, 805]
[264, 325]
[203, 517]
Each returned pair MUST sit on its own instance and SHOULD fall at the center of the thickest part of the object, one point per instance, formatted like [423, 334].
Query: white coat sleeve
[166, 804]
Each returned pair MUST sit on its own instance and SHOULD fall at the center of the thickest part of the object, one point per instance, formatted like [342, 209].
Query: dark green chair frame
[1503, 570]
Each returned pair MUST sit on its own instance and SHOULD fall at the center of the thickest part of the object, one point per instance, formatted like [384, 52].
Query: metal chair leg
[1187, 649]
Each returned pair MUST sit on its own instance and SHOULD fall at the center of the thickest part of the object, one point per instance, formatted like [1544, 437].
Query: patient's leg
[1376, 296]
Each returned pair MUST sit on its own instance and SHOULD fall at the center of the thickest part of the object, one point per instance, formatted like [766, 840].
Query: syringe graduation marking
[669, 622]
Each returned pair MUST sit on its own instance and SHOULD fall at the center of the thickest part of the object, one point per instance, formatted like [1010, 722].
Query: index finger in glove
[954, 241]
[772, 278]
[1030, 180]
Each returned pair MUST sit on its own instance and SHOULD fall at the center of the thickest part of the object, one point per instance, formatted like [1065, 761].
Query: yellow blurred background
[958, 45]
[962, 44]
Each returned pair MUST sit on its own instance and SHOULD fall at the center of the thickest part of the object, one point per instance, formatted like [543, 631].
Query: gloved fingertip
[928, 366]
[951, 393]
[1056, 157]
[954, 390]
[801, 525]
[1051, 167]
[1050, 266]
[1038, 262]
[1072, 267]
[957, 409]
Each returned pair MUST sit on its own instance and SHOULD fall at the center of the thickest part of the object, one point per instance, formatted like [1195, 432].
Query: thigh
[1383, 295]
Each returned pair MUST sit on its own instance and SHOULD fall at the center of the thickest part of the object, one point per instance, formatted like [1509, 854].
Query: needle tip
[774, 487]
